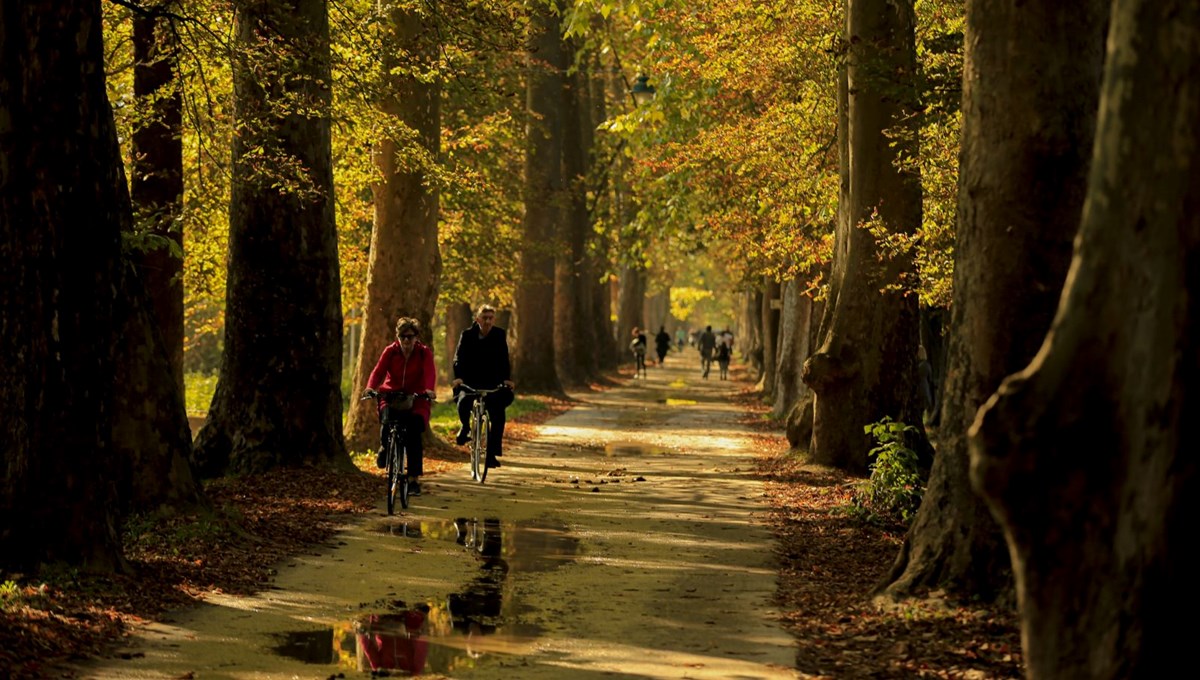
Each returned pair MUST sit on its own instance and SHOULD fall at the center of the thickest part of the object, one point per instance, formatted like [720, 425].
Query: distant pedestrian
[638, 345]
[708, 343]
[723, 354]
[662, 344]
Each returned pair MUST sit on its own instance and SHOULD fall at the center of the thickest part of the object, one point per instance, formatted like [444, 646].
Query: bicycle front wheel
[402, 478]
[393, 474]
[477, 449]
[484, 430]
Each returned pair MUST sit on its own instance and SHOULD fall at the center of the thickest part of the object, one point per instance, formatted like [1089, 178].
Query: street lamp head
[642, 91]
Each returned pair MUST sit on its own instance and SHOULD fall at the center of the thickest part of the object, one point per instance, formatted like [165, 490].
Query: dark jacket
[482, 363]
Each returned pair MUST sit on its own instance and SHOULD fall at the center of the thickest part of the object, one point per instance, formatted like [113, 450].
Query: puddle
[461, 629]
[633, 449]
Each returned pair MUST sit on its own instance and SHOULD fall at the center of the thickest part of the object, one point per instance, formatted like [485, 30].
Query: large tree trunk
[63, 205]
[631, 304]
[795, 332]
[572, 295]
[278, 399]
[533, 363]
[607, 352]
[770, 334]
[1084, 455]
[751, 339]
[405, 264]
[150, 426]
[1026, 149]
[156, 175]
[459, 317]
[866, 367]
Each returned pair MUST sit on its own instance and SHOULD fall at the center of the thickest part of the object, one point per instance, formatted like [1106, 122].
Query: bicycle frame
[480, 430]
[397, 453]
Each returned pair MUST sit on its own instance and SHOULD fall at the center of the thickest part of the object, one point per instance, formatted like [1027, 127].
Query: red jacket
[415, 374]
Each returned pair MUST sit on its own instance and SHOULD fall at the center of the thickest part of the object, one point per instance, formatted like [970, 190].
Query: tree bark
[156, 174]
[534, 363]
[63, 205]
[770, 335]
[278, 399]
[405, 264]
[607, 351]
[631, 306]
[571, 294]
[1084, 455]
[1026, 150]
[795, 331]
[866, 367]
[150, 432]
[459, 317]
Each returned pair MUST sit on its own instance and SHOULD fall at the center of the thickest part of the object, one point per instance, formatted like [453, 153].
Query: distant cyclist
[482, 362]
[639, 346]
[406, 366]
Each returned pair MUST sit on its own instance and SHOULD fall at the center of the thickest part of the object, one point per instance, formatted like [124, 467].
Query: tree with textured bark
[534, 362]
[63, 205]
[156, 173]
[278, 397]
[1084, 455]
[405, 262]
[1026, 149]
[572, 296]
[865, 368]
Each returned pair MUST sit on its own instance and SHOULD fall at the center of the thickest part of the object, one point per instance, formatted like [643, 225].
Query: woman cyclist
[406, 366]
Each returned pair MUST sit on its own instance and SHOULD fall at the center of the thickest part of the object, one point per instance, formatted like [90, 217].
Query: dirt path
[625, 541]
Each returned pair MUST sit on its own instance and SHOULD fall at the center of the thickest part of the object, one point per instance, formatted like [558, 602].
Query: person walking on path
[723, 353]
[482, 362]
[638, 345]
[662, 344]
[708, 343]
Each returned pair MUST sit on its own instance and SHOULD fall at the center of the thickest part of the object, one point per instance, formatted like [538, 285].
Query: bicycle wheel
[484, 430]
[402, 478]
[477, 449]
[393, 473]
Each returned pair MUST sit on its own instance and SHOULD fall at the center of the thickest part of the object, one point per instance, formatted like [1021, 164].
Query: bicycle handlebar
[376, 394]
[483, 393]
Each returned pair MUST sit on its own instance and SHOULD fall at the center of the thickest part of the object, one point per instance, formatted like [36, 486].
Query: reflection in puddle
[458, 632]
[633, 449]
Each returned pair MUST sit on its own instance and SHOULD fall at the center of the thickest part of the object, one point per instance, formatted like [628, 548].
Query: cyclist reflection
[476, 610]
[393, 641]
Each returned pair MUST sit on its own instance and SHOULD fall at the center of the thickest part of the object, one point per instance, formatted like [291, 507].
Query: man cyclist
[481, 361]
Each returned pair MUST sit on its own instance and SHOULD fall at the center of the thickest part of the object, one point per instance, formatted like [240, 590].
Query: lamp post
[642, 91]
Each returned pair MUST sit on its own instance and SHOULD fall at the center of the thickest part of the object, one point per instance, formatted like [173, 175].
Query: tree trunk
[459, 317]
[571, 293]
[534, 363]
[63, 205]
[156, 175]
[1084, 455]
[1022, 185]
[151, 434]
[607, 352]
[752, 345]
[866, 367]
[794, 334]
[405, 264]
[770, 334]
[278, 399]
[632, 300]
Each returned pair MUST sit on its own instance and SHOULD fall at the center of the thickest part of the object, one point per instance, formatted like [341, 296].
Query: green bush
[893, 492]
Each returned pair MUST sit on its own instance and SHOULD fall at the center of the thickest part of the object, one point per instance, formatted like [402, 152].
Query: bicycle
[481, 427]
[397, 453]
